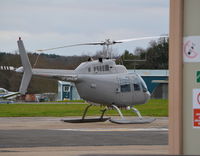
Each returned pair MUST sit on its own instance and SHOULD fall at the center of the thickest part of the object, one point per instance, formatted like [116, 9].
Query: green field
[152, 108]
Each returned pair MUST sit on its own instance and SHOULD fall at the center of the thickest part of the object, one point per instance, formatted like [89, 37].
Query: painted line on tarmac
[114, 129]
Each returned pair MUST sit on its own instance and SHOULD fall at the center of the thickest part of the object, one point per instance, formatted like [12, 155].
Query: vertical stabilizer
[26, 67]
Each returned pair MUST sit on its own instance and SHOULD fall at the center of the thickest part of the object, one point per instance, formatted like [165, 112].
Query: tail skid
[26, 67]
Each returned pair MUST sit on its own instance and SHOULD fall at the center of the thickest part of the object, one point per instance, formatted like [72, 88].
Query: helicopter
[7, 96]
[99, 82]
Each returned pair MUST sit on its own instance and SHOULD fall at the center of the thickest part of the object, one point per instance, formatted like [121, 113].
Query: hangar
[67, 90]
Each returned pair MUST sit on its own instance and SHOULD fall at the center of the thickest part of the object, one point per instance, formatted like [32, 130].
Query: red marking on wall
[196, 117]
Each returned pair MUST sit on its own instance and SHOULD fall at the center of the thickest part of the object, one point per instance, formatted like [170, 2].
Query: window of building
[136, 87]
[66, 88]
[125, 88]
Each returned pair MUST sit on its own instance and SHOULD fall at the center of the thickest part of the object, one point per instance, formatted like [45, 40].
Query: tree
[154, 57]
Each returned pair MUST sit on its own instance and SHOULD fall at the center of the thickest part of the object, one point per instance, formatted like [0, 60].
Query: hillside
[11, 80]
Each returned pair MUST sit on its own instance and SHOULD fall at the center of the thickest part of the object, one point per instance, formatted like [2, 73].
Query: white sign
[196, 108]
[191, 49]
[196, 98]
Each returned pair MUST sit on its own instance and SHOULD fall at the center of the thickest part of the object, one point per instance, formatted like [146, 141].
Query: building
[67, 91]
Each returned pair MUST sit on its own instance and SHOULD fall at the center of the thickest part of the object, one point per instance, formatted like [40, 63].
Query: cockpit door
[124, 91]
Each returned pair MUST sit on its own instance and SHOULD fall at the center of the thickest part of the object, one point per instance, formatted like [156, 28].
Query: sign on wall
[197, 76]
[196, 108]
[191, 49]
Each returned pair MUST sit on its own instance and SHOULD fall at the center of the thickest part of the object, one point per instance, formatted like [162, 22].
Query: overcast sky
[52, 23]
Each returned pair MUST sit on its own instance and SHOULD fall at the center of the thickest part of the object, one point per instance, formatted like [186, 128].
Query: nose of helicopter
[147, 96]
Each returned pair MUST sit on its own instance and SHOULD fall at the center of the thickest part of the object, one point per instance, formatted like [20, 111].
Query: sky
[52, 23]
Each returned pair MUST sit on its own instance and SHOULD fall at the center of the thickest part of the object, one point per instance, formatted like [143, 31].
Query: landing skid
[84, 120]
[138, 120]
[133, 121]
[123, 120]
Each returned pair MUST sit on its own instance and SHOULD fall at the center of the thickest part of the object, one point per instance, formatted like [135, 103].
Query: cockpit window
[136, 87]
[143, 85]
[2, 91]
[144, 88]
[125, 88]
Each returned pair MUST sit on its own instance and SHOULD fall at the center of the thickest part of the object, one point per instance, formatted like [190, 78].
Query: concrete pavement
[50, 136]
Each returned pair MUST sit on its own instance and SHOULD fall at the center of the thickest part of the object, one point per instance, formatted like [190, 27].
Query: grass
[152, 108]
[71, 101]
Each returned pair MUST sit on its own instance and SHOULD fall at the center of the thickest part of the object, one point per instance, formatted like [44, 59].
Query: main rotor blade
[107, 42]
[136, 39]
[73, 45]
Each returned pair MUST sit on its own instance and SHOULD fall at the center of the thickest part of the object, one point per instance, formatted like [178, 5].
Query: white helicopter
[5, 94]
[98, 82]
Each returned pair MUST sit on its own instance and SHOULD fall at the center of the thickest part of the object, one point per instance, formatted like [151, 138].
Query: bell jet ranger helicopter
[101, 82]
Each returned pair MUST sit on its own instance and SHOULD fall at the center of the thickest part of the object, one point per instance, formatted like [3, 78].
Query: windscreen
[143, 84]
